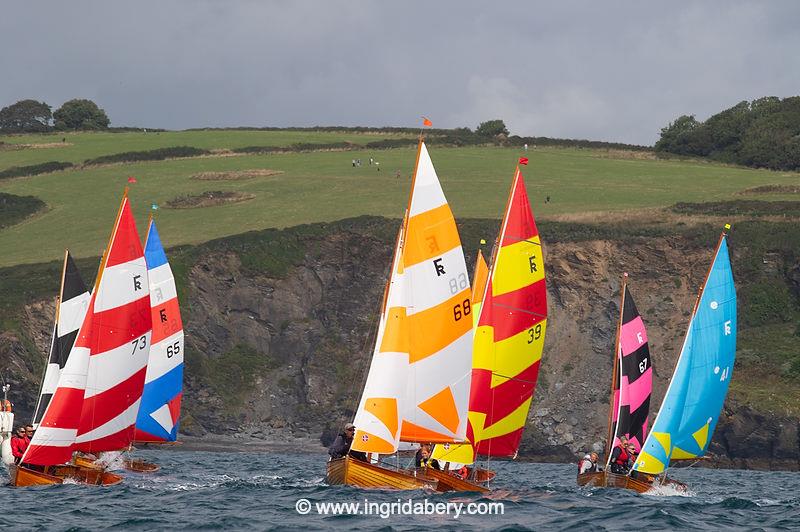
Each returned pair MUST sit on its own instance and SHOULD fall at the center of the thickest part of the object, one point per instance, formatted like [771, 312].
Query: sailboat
[689, 413]
[99, 389]
[631, 389]
[159, 414]
[418, 384]
[508, 344]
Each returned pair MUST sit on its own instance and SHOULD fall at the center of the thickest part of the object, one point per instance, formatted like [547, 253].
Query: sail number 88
[461, 310]
[459, 283]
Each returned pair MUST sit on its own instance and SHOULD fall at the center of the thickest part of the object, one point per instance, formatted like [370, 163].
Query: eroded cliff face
[285, 357]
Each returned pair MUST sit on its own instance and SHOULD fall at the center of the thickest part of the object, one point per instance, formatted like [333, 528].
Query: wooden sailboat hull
[24, 476]
[606, 479]
[354, 472]
[83, 461]
[129, 464]
[140, 466]
[449, 482]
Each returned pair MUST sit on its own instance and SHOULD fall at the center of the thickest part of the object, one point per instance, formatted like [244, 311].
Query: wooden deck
[24, 476]
[607, 479]
[354, 472]
[449, 482]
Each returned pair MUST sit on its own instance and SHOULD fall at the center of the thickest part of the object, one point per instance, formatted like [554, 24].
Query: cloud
[609, 71]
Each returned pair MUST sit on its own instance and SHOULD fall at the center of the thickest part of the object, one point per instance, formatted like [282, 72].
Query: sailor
[423, 457]
[29, 432]
[620, 458]
[588, 464]
[341, 445]
[461, 472]
[18, 444]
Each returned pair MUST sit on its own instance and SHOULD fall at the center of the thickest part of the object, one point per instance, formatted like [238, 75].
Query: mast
[615, 371]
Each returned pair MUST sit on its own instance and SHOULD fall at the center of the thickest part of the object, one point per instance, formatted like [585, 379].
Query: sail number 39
[534, 333]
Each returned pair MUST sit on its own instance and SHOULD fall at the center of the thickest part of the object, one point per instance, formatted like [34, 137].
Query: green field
[323, 186]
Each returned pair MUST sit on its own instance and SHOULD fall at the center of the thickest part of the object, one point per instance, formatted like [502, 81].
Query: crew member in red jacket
[620, 457]
[18, 444]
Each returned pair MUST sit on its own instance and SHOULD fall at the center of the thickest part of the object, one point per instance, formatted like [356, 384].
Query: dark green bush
[14, 209]
[34, 169]
[149, 155]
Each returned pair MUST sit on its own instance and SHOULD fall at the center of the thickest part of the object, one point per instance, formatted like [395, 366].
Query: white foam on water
[111, 460]
[669, 490]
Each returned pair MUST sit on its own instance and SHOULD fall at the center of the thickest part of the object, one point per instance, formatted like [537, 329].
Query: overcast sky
[616, 71]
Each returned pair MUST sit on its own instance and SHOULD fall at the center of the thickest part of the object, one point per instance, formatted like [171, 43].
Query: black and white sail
[70, 311]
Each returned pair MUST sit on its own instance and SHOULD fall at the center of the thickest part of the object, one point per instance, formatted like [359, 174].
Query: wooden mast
[614, 372]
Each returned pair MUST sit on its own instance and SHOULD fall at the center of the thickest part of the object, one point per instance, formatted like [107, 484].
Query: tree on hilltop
[25, 116]
[80, 114]
[492, 128]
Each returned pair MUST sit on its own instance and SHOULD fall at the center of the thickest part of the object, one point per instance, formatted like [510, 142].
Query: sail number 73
[140, 343]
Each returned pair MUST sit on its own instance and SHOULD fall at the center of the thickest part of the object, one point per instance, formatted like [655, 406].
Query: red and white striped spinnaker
[95, 404]
[119, 345]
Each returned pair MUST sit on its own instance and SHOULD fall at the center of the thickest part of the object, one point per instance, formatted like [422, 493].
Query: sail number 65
[173, 349]
[461, 310]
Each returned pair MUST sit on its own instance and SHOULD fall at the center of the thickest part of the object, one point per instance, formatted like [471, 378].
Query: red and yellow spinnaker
[509, 336]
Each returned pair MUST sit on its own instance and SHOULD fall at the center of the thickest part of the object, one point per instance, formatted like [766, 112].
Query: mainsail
[633, 376]
[119, 343]
[422, 360]
[159, 412]
[696, 393]
[378, 416]
[510, 333]
[71, 308]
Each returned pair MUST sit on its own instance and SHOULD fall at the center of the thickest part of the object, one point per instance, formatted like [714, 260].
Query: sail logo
[727, 326]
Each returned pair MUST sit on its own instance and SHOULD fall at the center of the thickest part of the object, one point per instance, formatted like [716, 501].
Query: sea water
[258, 491]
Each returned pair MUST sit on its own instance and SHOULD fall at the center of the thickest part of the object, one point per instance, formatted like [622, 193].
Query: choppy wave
[241, 491]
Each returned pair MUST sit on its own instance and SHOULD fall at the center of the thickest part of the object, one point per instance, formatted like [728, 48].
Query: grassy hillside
[324, 186]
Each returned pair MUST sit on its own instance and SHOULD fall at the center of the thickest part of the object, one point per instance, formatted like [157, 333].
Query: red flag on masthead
[131, 179]
[426, 122]
[523, 161]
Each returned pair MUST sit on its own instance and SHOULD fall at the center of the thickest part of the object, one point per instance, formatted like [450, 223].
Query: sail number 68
[461, 310]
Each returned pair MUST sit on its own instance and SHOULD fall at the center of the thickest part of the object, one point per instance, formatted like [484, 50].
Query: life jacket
[462, 472]
[622, 459]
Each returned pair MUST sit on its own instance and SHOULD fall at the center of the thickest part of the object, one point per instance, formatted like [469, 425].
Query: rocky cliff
[280, 326]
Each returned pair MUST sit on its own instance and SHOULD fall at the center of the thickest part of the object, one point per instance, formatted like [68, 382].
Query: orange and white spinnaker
[421, 366]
